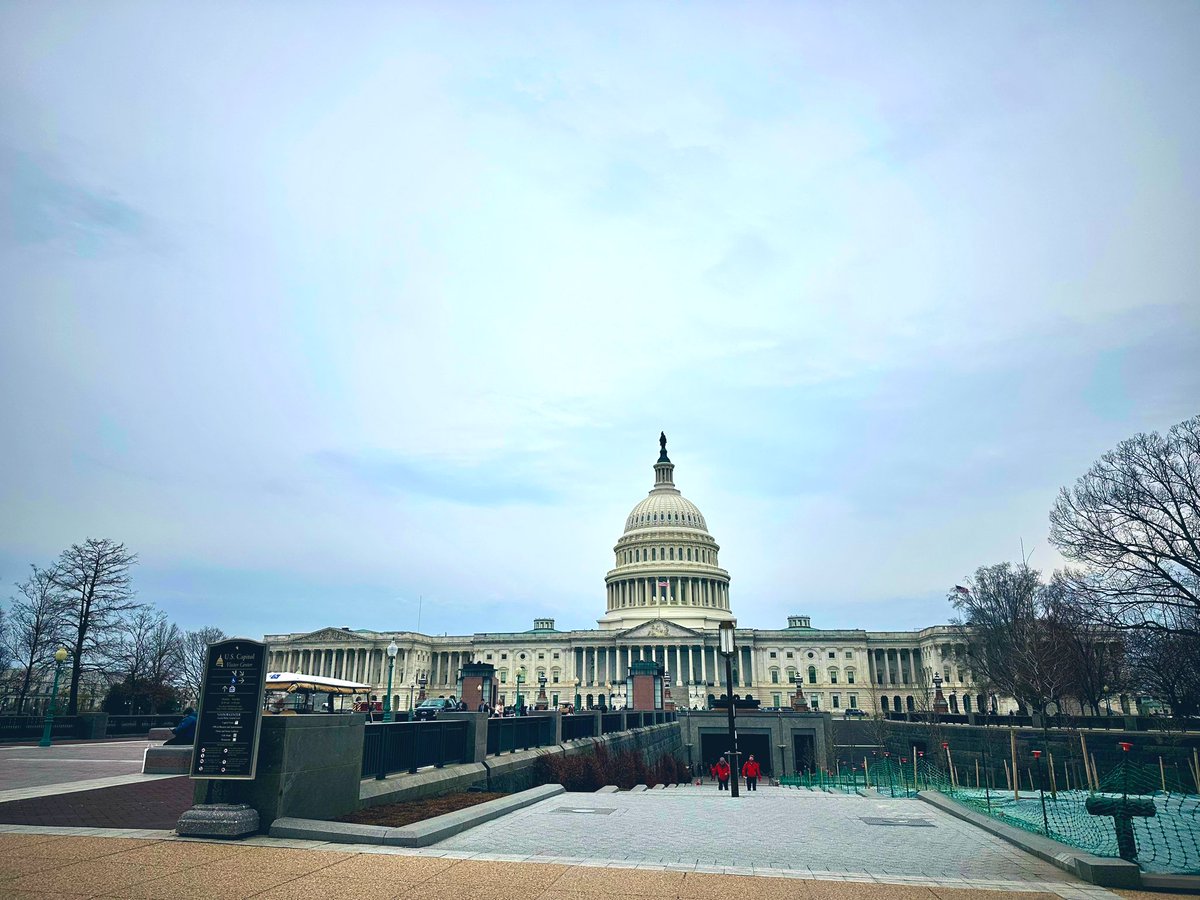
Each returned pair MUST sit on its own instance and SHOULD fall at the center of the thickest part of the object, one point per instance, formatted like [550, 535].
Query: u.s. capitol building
[666, 597]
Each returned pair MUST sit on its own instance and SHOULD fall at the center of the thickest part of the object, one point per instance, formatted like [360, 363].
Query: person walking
[751, 771]
[722, 773]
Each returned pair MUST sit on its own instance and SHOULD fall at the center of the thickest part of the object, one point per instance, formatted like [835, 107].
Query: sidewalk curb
[418, 834]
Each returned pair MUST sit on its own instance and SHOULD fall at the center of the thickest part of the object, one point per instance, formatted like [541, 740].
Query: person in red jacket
[751, 770]
[722, 768]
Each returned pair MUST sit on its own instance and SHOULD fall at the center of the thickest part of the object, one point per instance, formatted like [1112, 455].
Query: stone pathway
[773, 830]
[154, 803]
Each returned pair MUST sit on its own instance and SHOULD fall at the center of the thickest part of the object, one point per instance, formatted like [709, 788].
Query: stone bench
[160, 734]
[167, 760]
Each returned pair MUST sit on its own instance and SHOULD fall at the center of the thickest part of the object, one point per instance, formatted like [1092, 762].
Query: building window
[555, 674]
[773, 654]
[541, 656]
[883, 703]
[654, 554]
[689, 554]
[672, 551]
[833, 676]
[789, 654]
[837, 701]
[849, 676]
[774, 676]
[812, 674]
[775, 698]
[504, 656]
[556, 655]
[489, 656]
[832, 654]
[503, 676]
[853, 701]
[849, 654]
[816, 701]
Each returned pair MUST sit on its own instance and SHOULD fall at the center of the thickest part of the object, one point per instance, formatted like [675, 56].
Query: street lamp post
[517, 705]
[392, 650]
[60, 657]
[578, 699]
[727, 649]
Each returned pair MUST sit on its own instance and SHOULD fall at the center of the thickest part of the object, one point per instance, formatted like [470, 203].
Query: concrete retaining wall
[513, 772]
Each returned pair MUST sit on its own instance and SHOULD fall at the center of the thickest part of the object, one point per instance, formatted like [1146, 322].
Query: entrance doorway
[714, 746]
[806, 754]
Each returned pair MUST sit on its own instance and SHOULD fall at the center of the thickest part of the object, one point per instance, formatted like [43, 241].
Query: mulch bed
[146, 804]
[396, 814]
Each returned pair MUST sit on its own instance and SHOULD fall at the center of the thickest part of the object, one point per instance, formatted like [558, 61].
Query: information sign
[230, 714]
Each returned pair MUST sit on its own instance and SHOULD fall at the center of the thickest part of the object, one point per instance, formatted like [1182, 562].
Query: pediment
[332, 635]
[659, 629]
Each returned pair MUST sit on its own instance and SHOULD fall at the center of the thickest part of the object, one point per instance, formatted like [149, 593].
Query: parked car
[854, 713]
[429, 709]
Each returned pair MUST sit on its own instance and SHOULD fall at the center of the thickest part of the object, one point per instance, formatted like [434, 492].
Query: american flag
[664, 584]
[959, 589]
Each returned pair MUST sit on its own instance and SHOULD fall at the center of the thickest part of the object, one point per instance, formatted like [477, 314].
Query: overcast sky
[322, 308]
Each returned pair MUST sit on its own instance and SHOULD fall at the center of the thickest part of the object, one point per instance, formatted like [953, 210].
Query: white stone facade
[666, 595]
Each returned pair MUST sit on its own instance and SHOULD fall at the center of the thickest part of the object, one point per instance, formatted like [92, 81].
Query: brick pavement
[43, 866]
[156, 803]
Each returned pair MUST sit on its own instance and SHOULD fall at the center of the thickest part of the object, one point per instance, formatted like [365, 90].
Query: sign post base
[225, 820]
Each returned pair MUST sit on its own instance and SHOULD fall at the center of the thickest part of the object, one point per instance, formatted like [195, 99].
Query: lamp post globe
[392, 650]
[60, 657]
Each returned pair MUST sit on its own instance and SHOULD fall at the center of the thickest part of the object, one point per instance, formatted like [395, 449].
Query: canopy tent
[317, 684]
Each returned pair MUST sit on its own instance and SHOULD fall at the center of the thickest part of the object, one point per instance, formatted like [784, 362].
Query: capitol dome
[666, 561]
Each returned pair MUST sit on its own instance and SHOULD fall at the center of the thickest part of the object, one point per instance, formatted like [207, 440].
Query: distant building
[666, 596]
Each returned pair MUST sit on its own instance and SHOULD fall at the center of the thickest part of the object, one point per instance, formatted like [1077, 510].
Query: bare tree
[1094, 654]
[1166, 665]
[97, 591]
[145, 653]
[1133, 523]
[1004, 624]
[34, 632]
[193, 649]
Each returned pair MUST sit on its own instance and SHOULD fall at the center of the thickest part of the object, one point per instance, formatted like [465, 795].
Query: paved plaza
[153, 865]
[31, 771]
[772, 829]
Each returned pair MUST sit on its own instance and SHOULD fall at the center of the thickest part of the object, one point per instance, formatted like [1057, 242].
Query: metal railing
[610, 722]
[519, 733]
[139, 724]
[408, 746]
[579, 725]
[29, 728]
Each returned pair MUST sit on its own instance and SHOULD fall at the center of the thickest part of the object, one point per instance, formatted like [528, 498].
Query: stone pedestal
[223, 820]
[799, 701]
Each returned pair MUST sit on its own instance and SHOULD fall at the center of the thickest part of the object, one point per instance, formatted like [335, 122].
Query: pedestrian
[751, 770]
[722, 773]
[185, 731]
[712, 771]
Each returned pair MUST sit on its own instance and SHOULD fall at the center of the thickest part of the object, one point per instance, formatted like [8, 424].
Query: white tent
[318, 684]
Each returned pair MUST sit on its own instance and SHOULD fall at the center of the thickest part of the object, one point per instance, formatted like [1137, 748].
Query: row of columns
[366, 665]
[894, 666]
[690, 663]
[681, 591]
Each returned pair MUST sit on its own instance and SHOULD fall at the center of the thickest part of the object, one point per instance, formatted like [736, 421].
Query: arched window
[680, 556]
[812, 674]
[653, 553]
[672, 552]
[967, 703]
[883, 704]
[689, 554]
[896, 700]
[954, 703]
[912, 706]
[849, 676]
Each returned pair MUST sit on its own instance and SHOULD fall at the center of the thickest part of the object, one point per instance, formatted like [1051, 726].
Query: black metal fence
[29, 728]
[580, 725]
[407, 746]
[119, 726]
[610, 722]
[519, 733]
